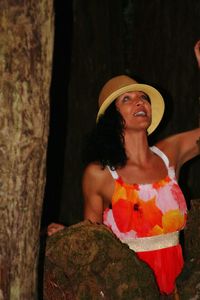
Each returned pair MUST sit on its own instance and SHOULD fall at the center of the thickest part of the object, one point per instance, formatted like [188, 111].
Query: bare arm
[93, 200]
[181, 147]
[197, 52]
[188, 145]
[53, 228]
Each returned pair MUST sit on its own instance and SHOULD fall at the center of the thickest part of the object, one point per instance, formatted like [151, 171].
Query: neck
[137, 148]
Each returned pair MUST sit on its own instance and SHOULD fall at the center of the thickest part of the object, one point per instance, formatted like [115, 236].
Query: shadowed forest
[70, 49]
[152, 41]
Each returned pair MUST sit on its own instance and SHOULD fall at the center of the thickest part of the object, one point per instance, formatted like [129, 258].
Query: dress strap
[113, 173]
[161, 154]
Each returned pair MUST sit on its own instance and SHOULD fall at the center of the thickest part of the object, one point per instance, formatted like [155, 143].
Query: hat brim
[157, 102]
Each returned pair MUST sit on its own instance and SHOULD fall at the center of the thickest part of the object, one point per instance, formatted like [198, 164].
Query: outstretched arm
[181, 147]
[197, 52]
[188, 145]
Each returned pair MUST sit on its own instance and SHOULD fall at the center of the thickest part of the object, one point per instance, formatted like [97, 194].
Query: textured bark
[86, 261]
[26, 31]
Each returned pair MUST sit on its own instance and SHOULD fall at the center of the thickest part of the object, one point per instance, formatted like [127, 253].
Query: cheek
[150, 116]
[121, 110]
[150, 110]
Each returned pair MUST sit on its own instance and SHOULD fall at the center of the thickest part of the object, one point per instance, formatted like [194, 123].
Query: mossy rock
[87, 262]
[189, 281]
[95, 265]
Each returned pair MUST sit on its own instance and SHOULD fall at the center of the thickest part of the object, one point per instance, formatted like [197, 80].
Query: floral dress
[145, 210]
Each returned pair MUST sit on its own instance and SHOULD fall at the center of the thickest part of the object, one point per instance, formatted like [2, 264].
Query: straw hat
[121, 84]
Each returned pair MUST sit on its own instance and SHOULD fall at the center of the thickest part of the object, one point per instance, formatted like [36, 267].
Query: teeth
[140, 113]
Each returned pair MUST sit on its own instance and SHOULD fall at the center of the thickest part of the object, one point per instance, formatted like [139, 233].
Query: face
[135, 108]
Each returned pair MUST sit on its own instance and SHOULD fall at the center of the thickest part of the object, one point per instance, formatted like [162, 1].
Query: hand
[197, 52]
[53, 228]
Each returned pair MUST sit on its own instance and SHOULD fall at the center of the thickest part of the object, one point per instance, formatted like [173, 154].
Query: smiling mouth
[140, 114]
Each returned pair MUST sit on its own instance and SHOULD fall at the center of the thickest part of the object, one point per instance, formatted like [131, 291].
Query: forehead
[132, 94]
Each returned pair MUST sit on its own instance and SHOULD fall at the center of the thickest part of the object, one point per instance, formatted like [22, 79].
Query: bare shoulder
[97, 189]
[95, 176]
[94, 171]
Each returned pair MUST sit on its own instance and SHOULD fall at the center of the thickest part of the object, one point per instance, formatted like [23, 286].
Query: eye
[125, 99]
[146, 98]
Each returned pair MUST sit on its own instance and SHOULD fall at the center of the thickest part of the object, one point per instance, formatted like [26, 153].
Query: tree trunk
[26, 30]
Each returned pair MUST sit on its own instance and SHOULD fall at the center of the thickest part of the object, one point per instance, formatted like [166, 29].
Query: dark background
[152, 41]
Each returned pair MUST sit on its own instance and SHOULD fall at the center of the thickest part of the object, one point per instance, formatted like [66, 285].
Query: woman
[132, 188]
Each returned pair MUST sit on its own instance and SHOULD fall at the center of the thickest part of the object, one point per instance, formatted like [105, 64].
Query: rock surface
[189, 280]
[87, 262]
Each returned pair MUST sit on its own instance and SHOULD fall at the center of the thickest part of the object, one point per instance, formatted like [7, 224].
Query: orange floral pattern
[146, 209]
[142, 210]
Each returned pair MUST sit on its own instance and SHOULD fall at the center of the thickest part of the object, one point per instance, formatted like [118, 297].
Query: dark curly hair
[105, 144]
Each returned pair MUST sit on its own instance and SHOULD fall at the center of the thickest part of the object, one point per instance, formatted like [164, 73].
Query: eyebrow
[127, 93]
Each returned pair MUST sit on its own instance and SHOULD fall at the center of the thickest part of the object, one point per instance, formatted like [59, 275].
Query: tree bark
[26, 43]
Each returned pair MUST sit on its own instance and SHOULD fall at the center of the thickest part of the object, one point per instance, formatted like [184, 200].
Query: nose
[139, 101]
